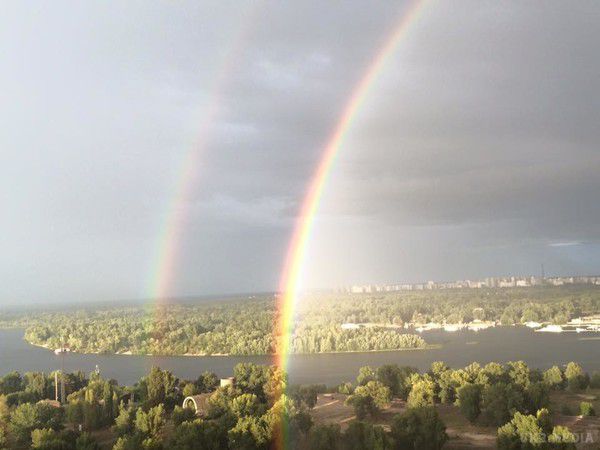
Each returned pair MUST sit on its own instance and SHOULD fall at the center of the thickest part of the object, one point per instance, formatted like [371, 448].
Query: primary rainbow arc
[290, 279]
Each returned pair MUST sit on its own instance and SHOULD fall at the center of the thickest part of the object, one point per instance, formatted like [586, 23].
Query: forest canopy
[379, 322]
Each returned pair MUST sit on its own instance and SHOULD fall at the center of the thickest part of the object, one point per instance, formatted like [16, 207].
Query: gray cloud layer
[475, 153]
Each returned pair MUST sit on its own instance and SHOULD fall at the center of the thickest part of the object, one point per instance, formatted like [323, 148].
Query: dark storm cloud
[476, 148]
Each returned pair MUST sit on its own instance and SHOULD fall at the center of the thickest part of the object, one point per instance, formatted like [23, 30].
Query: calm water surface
[501, 344]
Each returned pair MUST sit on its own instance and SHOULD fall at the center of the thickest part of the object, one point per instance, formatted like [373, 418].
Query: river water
[458, 349]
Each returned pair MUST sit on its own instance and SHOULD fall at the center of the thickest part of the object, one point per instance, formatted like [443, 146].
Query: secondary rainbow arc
[175, 219]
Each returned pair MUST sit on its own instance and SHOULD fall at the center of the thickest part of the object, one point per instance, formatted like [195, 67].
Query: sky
[475, 153]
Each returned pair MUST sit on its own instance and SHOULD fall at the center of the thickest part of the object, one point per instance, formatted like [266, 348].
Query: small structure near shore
[197, 402]
[229, 381]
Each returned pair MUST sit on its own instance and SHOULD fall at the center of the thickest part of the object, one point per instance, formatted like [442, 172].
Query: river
[540, 350]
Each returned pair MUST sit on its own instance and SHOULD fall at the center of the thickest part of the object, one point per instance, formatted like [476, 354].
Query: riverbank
[502, 344]
[203, 355]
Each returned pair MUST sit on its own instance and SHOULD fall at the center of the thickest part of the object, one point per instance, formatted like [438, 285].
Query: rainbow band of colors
[289, 285]
[174, 221]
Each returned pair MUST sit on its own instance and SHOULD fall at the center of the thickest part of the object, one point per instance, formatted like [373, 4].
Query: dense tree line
[238, 329]
[246, 327]
[254, 412]
[512, 397]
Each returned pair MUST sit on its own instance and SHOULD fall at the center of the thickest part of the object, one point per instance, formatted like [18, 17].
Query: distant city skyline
[489, 282]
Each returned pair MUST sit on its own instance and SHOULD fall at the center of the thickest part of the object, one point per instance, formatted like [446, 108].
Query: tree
[74, 412]
[537, 396]
[161, 388]
[418, 429]
[363, 406]
[129, 442]
[469, 399]
[325, 437]
[394, 377]
[275, 385]
[44, 438]
[377, 391]
[499, 402]
[365, 374]
[575, 376]
[562, 438]
[447, 385]
[518, 372]
[125, 421]
[3, 440]
[86, 442]
[107, 406]
[198, 435]
[595, 380]
[437, 369]
[4, 409]
[207, 382]
[369, 399]
[247, 405]
[422, 393]
[28, 417]
[587, 409]
[522, 432]
[219, 403]
[553, 377]
[190, 389]
[308, 394]
[544, 420]
[493, 373]
[249, 433]
[300, 424]
[181, 415]
[151, 423]
[345, 388]
[10, 383]
[251, 378]
[365, 436]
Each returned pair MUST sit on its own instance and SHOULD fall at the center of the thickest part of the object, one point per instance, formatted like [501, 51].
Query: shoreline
[274, 355]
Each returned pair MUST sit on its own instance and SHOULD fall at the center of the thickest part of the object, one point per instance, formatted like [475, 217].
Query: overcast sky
[475, 154]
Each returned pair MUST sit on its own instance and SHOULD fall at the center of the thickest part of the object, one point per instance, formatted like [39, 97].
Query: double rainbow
[289, 285]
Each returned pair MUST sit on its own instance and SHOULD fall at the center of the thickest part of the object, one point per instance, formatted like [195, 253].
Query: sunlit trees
[369, 399]
[162, 387]
[249, 433]
[586, 409]
[528, 432]
[422, 392]
[365, 374]
[553, 377]
[151, 423]
[575, 376]
[523, 431]
[27, 417]
[247, 405]
[562, 438]
[124, 422]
